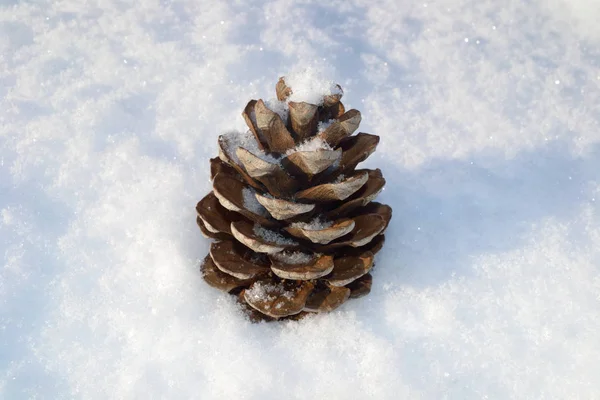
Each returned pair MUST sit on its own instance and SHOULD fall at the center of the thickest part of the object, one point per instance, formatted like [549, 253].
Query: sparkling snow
[272, 236]
[247, 141]
[280, 107]
[316, 224]
[324, 125]
[293, 257]
[310, 85]
[251, 203]
[261, 291]
[489, 282]
[312, 144]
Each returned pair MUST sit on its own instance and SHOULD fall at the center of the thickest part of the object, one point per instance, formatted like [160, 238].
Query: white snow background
[488, 111]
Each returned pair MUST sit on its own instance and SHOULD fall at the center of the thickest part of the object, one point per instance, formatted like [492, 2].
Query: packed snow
[488, 286]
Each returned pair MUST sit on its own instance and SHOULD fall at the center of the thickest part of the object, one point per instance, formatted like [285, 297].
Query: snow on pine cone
[295, 223]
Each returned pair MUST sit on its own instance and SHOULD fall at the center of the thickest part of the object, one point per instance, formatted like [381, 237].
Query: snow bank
[487, 287]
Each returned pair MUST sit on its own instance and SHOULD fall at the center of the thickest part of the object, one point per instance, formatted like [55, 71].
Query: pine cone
[295, 226]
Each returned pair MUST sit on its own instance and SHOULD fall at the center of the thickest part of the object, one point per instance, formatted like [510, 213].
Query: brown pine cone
[295, 226]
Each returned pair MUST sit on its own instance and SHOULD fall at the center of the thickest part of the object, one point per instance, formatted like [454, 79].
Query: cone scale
[294, 223]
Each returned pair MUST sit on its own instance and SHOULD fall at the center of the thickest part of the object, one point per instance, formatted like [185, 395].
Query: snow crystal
[263, 291]
[293, 257]
[316, 224]
[339, 179]
[313, 144]
[280, 107]
[324, 125]
[310, 86]
[272, 236]
[251, 204]
[235, 140]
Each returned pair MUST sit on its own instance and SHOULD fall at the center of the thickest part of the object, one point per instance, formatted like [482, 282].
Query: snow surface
[489, 283]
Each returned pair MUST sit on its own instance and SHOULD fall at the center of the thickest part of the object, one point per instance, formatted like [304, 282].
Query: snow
[247, 141]
[316, 224]
[280, 107]
[340, 178]
[271, 236]
[251, 204]
[293, 257]
[312, 144]
[488, 285]
[262, 291]
[324, 125]
[310, 85]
